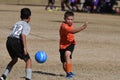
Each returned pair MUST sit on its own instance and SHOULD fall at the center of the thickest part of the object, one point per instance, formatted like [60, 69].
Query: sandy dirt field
[96, 55]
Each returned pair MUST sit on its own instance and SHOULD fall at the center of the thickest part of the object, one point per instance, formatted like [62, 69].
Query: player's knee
[14, 60]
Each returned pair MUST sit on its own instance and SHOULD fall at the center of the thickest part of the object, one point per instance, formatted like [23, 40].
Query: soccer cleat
[72, 73]
[69, 75]
[1, 78]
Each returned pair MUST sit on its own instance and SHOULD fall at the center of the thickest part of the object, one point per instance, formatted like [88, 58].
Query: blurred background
[91, 6]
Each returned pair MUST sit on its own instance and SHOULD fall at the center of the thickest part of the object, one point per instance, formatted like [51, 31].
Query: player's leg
[28, 69]
[48, 5]
[62, 5]
[26, 58]
[66, 56]
[64, 66]
[10, 46]
[69, 73]
[67, 3]
[68, 60]
[53, 4]
[62, 58]
[8, 68]
[18, 50]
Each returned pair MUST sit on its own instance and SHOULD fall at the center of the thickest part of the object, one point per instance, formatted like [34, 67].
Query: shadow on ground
[47, 73]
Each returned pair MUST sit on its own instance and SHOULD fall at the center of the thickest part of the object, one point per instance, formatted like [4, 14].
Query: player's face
[69, 20]
[28, 20]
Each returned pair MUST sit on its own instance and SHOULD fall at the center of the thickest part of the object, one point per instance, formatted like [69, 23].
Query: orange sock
[64, 67]
[68, 68]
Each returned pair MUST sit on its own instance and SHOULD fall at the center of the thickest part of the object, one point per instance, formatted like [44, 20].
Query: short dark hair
[25, 13]
[68, 13]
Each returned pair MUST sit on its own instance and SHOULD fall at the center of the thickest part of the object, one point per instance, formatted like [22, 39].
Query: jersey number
[17, 30]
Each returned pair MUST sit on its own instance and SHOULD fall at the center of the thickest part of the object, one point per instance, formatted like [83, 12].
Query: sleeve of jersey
[26, 30]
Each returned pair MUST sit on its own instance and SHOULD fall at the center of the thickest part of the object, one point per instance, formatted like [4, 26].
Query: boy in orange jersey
[67, 42]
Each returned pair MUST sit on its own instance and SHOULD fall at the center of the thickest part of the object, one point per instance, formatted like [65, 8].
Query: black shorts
[15, 48]
[62, 52]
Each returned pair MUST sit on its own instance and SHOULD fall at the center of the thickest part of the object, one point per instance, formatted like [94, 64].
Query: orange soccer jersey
[66, 38]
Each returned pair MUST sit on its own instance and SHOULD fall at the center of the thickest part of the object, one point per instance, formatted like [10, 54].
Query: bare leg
[8, 68]
[28, 69]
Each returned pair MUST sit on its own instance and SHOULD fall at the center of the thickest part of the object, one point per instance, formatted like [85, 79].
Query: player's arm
[82, 27]
[24, 43]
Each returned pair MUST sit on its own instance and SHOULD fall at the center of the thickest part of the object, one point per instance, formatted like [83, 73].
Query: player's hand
[84, 25]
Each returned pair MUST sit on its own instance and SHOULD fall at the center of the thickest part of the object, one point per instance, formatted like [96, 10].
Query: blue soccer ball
[41, 56]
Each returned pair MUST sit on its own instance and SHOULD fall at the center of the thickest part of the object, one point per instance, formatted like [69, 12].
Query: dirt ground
[96, 55]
